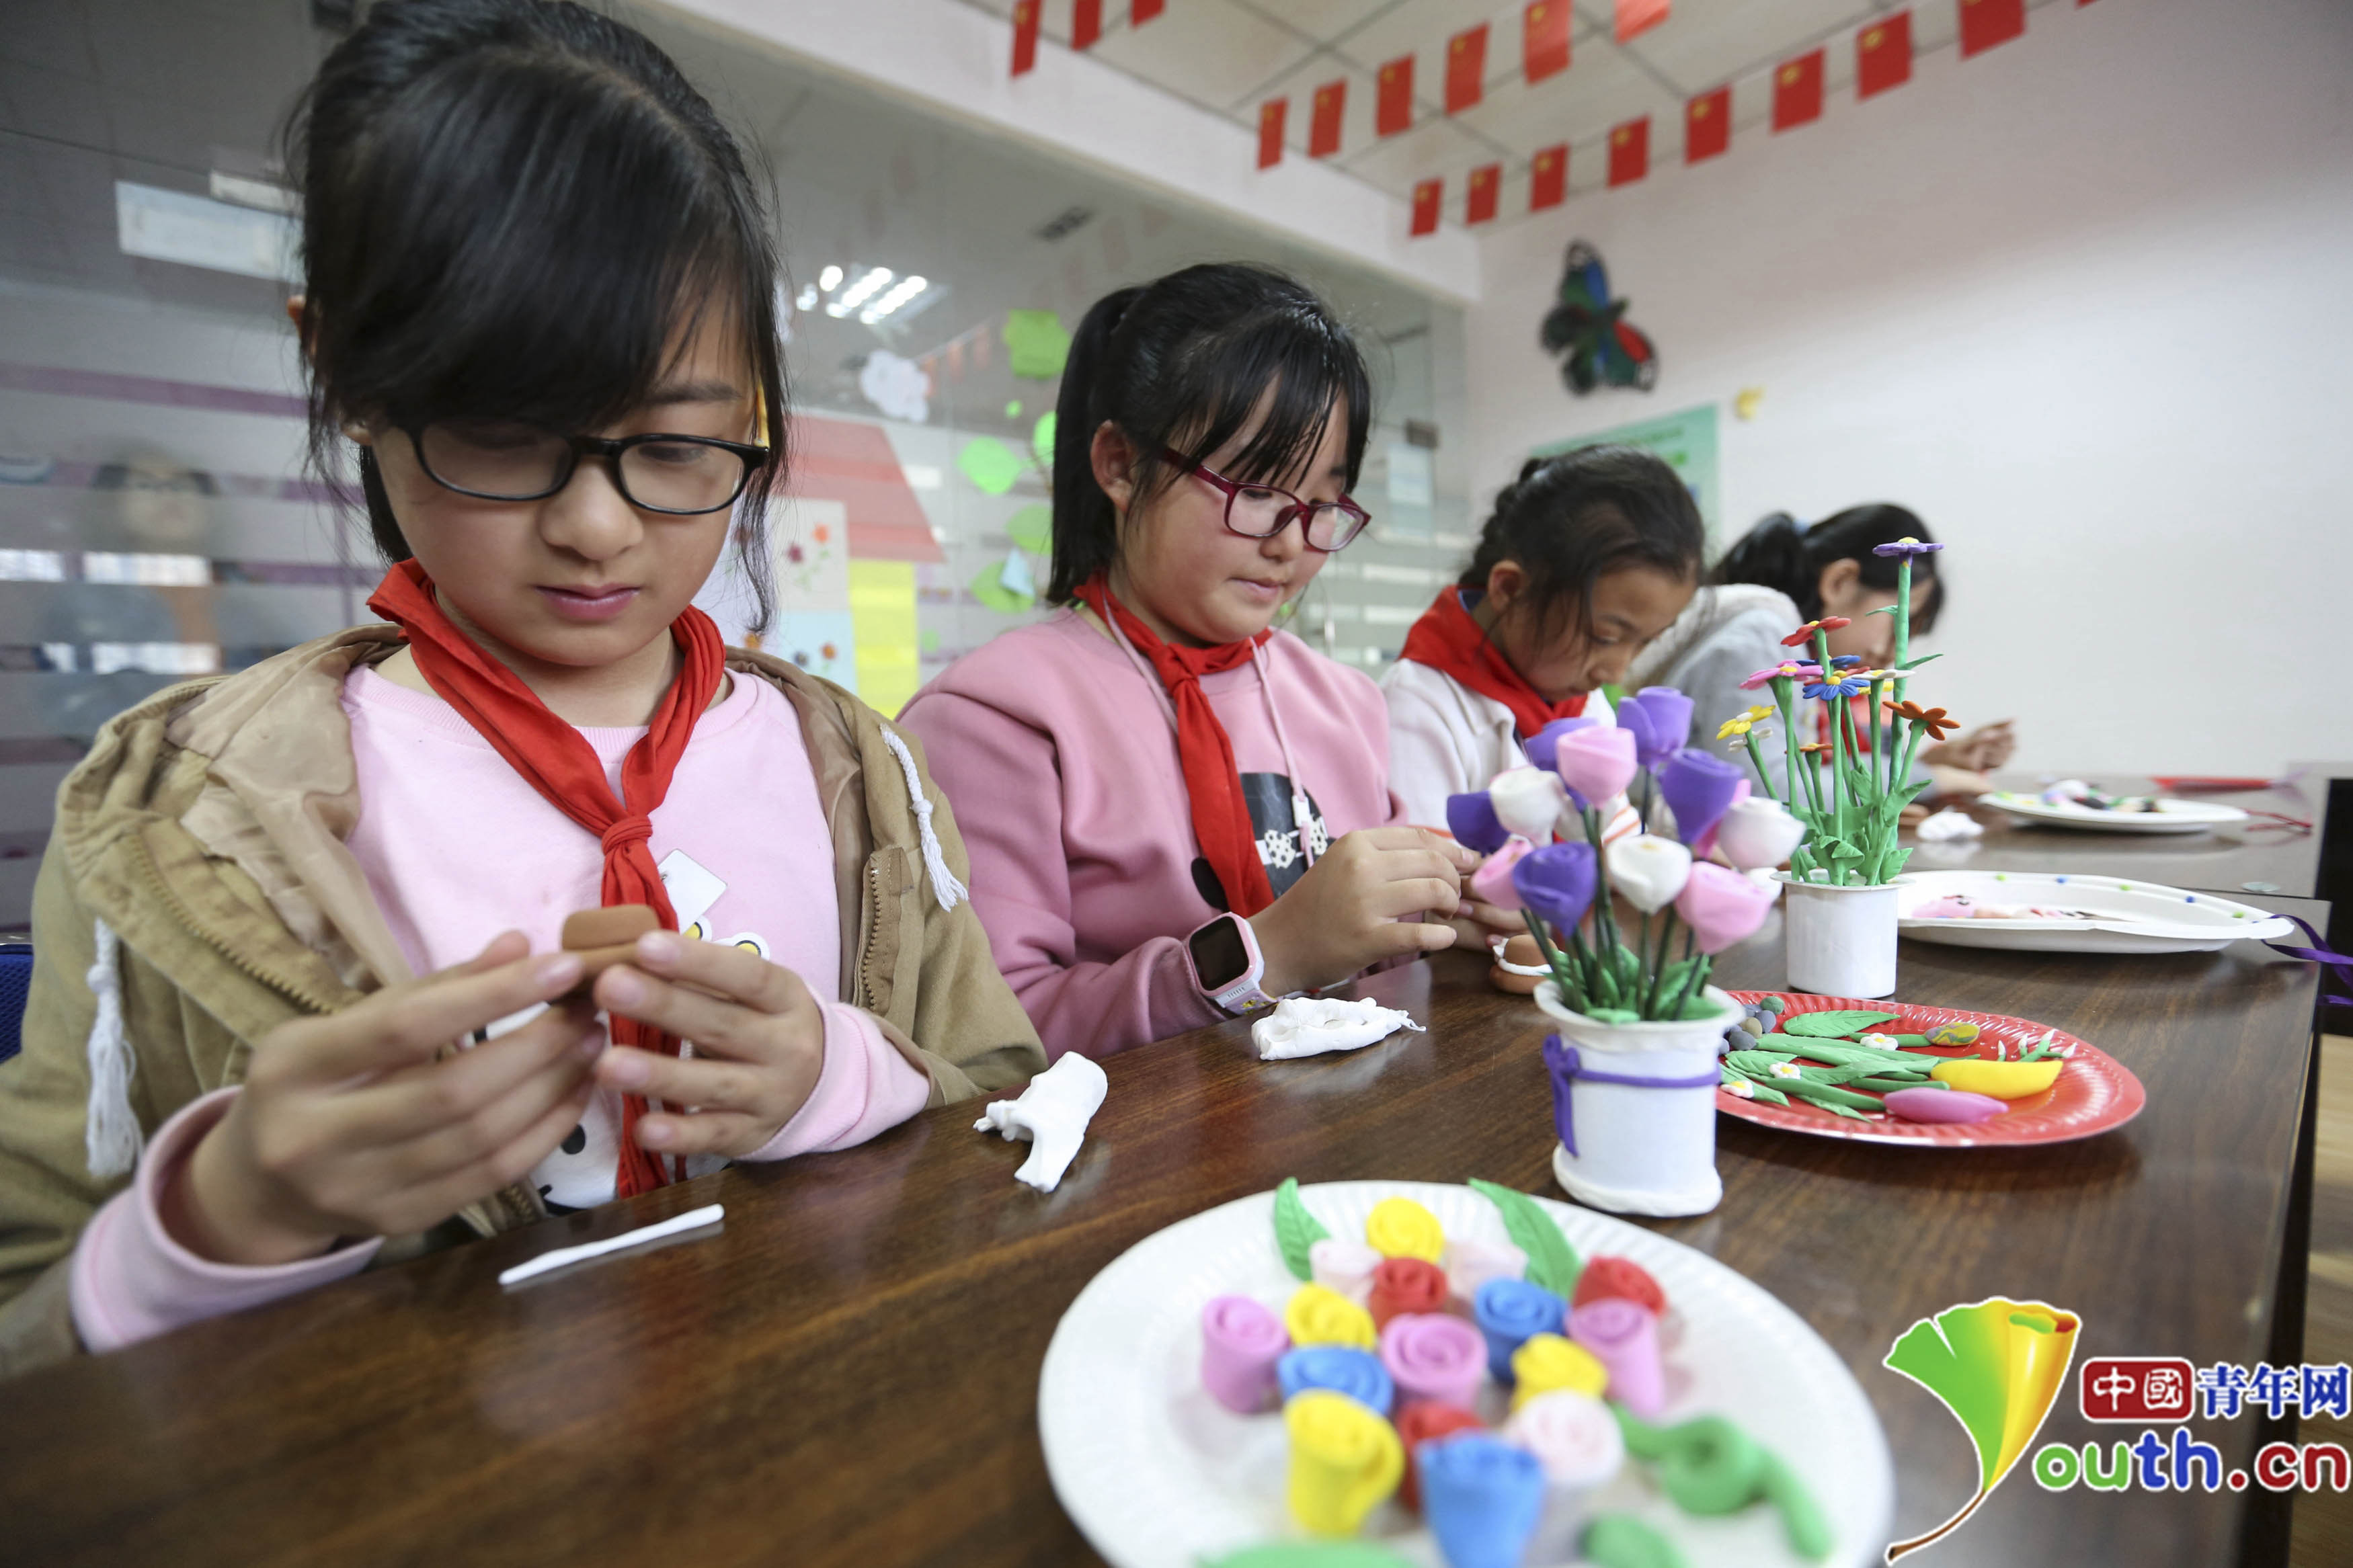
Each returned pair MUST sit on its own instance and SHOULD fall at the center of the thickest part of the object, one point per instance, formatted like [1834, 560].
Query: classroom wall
[2084, 303]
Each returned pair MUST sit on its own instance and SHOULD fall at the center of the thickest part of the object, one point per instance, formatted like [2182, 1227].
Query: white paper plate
[2128, 916]
[1158, 1475]
[2170, 816]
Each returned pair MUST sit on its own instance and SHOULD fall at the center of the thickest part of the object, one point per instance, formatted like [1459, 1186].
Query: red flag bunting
[1548, 177]
[1882, 55]
[1707, 125]
[1025, 36]
[1086, 23]
[1636, 16]
[1485, 181]
[1143, 11]
[1323, 129]
[1466, 68]
[1427, 195]
[1798, 91]
[1392, 110]
[1629, 151]
[1544, 38]
[1985, 22]
[1270, 130]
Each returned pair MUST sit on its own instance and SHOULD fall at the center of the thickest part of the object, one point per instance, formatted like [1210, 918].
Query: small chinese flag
[1798, 91]
[1544, 38]
[1392, 110]
[1707, 125]
[1270, 130]
[1025, 36]
[1485, 181]
[1142, 11]
[1086, 23]
[1985, 22]
[1639, 16]
[1629, 151]
[1427, 195]
[1548, 178]
[1324, 130]
[1882, 55]
[1466, 68]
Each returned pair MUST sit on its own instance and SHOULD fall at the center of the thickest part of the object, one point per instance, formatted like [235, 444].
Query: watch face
[1218, 957]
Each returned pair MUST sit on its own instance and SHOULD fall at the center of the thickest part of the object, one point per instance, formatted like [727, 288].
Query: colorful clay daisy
[1781, 672]
[1933, 720]
[1805, 634]
[1908, 546]
[1831, 690]
[1740, 723]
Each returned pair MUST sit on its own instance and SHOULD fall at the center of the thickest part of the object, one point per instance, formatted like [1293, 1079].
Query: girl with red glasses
[1176, 812]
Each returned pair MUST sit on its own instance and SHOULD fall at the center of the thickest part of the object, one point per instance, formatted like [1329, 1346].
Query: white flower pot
[1635, 1106]
[1841, 940]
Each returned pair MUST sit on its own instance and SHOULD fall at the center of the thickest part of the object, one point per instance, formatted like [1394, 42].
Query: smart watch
[1228, 965]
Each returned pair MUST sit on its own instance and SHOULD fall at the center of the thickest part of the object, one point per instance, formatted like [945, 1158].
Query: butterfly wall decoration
[1588, 329]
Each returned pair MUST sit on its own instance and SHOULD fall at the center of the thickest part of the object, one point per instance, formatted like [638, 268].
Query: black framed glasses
[1262, 511]
[503, 459]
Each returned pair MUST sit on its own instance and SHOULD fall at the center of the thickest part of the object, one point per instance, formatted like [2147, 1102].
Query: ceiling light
[857, 293]
[836, 308]
[829, 280]
[809, 298]
[906, 289]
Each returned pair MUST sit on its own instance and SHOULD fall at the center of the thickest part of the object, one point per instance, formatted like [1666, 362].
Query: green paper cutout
[989, 464]
[1553, 1263]
[990, 590]
[1833, 1026]
[1032, 528]
[1041, 439]
[1295, 1230]
[1013, 409]
[1038, 345]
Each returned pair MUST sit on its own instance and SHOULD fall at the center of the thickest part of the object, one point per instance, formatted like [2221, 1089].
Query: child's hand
[1981, 751]
[759, 1044]
[348, 1125]
[1352, 908]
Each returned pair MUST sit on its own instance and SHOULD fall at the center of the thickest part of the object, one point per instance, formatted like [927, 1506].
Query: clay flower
[1932, 720]
[1780, 672]
[1722, 907]
[1740, 723]
[1811, 747]
[1492, 882]
[1473, 821]
[1757, 833]
[1660, 718]
[1556, 882]
[1805, 634]
[1831, 690]
[1697, 787]
[1648, 871]
[1539, 746]
[1528, 801]
[1598, 762]
[1908, 546]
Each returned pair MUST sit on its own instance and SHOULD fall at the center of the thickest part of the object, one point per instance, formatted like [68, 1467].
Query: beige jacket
[207, 830]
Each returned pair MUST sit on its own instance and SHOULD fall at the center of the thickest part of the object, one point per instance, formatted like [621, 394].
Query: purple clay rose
[1473, 821]
[1596, 764]
[1557, 881]
[1698, 787]
[1635, 720]
[1670, 713]
[1539, 746]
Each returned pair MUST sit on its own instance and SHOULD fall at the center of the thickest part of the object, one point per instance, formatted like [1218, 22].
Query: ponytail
[1572, 519]
[1781, 552]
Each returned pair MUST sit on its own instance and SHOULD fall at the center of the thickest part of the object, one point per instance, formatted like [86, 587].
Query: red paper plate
[2094, 1092]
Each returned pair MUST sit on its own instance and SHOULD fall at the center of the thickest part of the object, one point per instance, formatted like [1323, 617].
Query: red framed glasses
[1262, 511]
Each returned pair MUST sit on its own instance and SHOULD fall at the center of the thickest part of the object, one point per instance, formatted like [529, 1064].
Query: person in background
[1588, 556]
[1774, 579]
[1177, 811]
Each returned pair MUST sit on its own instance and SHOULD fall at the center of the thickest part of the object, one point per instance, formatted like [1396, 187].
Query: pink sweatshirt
[741, 838]
[1058, 753]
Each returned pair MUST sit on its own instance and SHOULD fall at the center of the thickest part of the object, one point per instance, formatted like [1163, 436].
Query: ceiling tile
[1210, 51]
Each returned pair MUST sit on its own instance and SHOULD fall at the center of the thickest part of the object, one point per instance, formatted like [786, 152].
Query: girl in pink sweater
[1175, 812]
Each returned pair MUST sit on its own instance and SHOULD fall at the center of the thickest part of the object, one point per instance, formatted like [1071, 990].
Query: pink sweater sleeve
[864, 1087]
[131, 1281]
[1004, 781]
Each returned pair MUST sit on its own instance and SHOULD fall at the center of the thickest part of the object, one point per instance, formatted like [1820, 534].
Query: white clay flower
[1786, 1069]
[1757, 832]
[1648, 870]
[1528, 801]
[1877, 1042]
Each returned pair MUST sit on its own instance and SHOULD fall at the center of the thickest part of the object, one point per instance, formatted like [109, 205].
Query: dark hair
[1782, 552]
[1182, 362]
[1570, 521]
[510, 208]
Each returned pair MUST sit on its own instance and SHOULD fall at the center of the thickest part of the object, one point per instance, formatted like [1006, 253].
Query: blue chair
[16, 984]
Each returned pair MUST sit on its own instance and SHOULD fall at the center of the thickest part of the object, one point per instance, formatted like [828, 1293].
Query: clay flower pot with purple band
[1634, 1107]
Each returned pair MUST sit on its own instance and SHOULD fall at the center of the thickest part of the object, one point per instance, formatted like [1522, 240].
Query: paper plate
[1158, 1475]
[2170, 816]
[2125, 916]
[2094, 1092]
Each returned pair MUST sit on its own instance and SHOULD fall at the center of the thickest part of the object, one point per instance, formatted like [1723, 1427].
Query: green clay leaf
[1916, 663]
[1621, 1541]
[1802, 1517]
[1295, 1230]
[1615, 1016]
[1833, 1026]
[1553, 1263]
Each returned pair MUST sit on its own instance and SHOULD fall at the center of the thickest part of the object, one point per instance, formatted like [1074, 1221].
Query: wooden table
[848, 1373]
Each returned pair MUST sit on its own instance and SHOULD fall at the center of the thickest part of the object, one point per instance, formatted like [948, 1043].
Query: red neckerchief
[555, 760]
[1448, 640]
[1221, 818]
